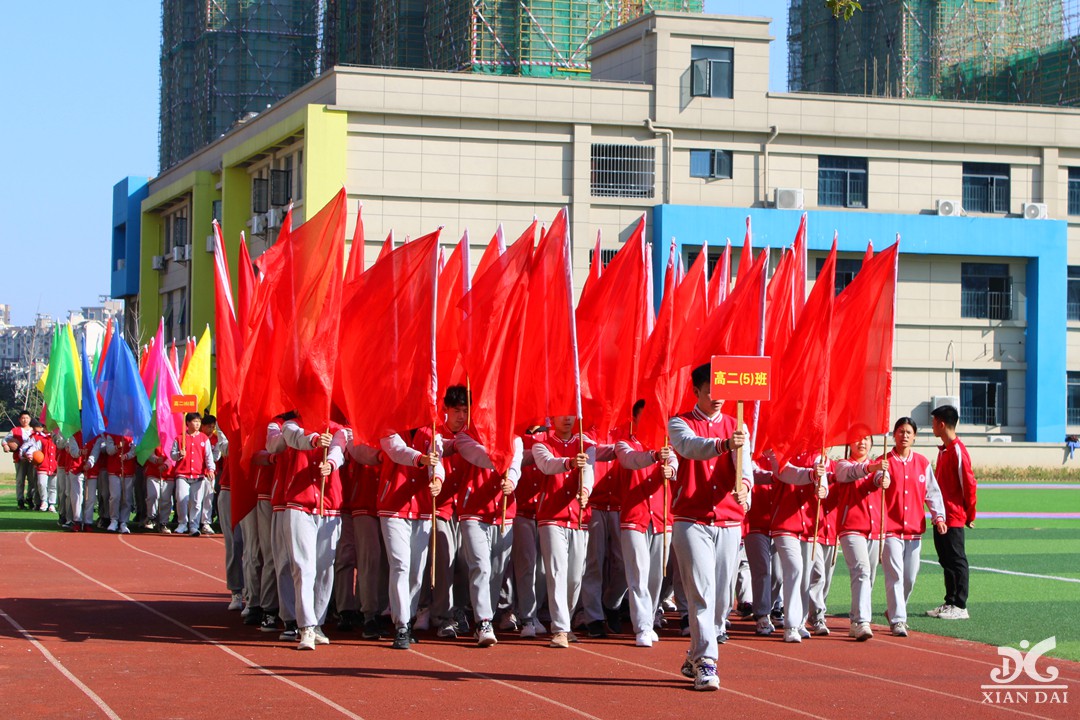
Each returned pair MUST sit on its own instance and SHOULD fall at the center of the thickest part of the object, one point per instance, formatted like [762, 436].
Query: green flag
[62, 390]
[150, 439]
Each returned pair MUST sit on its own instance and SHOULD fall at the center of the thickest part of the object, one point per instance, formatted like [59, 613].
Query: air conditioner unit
[258, 224]
[178, 253]
[939, 400]
[157, 262]
[999, 438]
[187, 252]
[1035, 211]
[788, 198]
[274, 216]
[949, 208]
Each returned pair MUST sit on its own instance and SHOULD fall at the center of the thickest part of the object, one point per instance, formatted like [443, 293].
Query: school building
[677, 123]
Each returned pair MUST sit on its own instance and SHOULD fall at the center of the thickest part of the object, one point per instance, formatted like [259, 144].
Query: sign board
[185, 403]
[739, 377]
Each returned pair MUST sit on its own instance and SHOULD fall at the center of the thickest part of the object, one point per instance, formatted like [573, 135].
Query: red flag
[189, 350]
[746, 257]
[453, 286]
[799, 415]
[245, 287]
[692, 310]
[497, 247]
[860, 377]
[779, 325]
[389, 381]
[174, 360]
[662, 384]
[387, 246]
[612, 324]
[720, 280]
[551, 385]
[309, 304]
[356, 249]
[869, 255]
[491, 345]
[799, 248]
[596, 269]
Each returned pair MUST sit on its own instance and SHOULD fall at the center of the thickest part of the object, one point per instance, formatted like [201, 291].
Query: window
[986, 187]
[281, 187]
[627, 171]
[1074, 191]
[166, 226]
[841, 182]
[982, 397]
[712, 263]
[985, 291]
[606, 256]
[298, 190]
[1072, 400]
[216, 210]
[710, 164]
[846, 270]
[180, 231]
[1072, 297]
[260, 195]
[712, 71]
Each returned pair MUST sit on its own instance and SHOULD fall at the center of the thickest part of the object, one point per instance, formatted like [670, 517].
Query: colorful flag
[453, 286]
[356, 249]
[63, 387]
[196, 380]
[93, 424]
[127, 408]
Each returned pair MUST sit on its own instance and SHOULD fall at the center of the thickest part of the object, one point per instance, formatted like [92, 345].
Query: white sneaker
[307, 639]
[936, 612]
[803, 632]
[792, 635]
[124, 529]
[528, 630]
[205, 529]
[654, 636]
[113, 526]
[643, 639]
[423, 620]
[706, 677]
[821, 629]
[245, 611]
[237, 602]
[764, 626]
[52, 508]
[668, 605]
[899, 629]
[860, 631]
[954, 613]
[43, 507]
[181, 529]
[485, 635]
[320, 636]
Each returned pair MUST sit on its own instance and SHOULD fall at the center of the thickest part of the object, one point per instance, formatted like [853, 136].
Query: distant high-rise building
[1007, 51]
[222, 60]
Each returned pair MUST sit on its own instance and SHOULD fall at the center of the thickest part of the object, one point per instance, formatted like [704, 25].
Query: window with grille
[986, 187]
[1074, 191]
[712, 71]
[260, 195]
[166, 226]
[846, 270]
[710, 164]
[626, 171]
[712, 263]
[986, 291]
[982, 397]
[1072, 400]
[1072, 298]
[180, 231]
[842, 182]
[606, 256]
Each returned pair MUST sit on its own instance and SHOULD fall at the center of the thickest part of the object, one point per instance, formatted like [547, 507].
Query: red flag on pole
[799, 415]
[551, 385]
[497, 247]
[388, 336]
[356, 249]
[691, 311]
[491, 344]
[720, 280]
[746, 257]
[309, 304]
[799, 248]
[612, 325]
[869, 255]
[662, 384]
[387, 246]
[596, 269]
[780, 317]
[245, 286]
[453, 286]
[860, 376]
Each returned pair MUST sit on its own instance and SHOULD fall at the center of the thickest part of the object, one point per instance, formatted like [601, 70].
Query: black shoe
[268, 623]
[371, 630]
[254, 616]
[22, 505]
[596, 629]
[401, 639]
[721, 638]
[777, 617]
[346, 622]
[745, 610]
[412, 637]
[614, 621]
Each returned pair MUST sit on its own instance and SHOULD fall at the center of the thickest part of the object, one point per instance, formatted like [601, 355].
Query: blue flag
[92, 422]
[127, 409]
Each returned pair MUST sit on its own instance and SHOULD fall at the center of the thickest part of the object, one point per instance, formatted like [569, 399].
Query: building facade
[677, 123]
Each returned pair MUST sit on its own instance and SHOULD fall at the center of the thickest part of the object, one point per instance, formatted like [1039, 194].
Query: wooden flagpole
[817, 512]
[434, 510]
[884, 474]
[667, 494]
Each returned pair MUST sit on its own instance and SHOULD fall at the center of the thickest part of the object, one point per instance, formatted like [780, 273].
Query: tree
[843, 8]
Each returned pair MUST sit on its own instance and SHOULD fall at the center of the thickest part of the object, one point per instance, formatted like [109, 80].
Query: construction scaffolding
[224, 59]
[1008, 51]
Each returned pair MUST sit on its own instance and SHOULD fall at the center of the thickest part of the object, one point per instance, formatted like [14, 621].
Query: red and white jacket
[957, 482]
[43, 442]
[360, 480]
[455, 468]
[858, 500]
[913, 485]
[531, 483]
[403, 482]
[559, 494]
[705, 484]
[795, 507]
[607, 474]
[305, 488]
[75, 454]
[280, 456]
[158, 470]
[20, 435]
[119, 455]
[219, 448]
[480, 496]
[642, 497]
[762, 501]
[198, 458]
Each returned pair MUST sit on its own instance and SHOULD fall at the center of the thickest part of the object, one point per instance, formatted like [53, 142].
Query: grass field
[1005, 609]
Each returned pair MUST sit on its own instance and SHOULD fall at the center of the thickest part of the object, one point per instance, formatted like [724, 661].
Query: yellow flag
[197, 378]
[213, 404]
[76, 361]
[41, 382]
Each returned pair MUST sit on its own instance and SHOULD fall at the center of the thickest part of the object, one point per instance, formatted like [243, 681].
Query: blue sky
[80, 84]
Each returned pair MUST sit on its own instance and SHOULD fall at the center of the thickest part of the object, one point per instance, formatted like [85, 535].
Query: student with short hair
[120, 465]
[24, 469]
[194, 465]
[958, 488]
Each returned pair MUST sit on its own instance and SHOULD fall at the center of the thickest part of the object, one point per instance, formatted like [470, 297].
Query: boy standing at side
[957, 483]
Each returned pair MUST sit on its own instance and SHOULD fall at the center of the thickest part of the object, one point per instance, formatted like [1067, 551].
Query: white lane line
[785, 708]
[865, 674]
[556, 703]
[168, 560]
[205, 638]
[1010, 572]
[954, 656]
[94, 697]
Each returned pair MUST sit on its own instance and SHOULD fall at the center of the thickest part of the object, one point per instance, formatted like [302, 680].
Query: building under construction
[224, 59]
[1005, 51]
[505, 37]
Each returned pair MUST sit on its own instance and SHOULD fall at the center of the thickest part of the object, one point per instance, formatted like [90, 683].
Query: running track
[108, 626]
